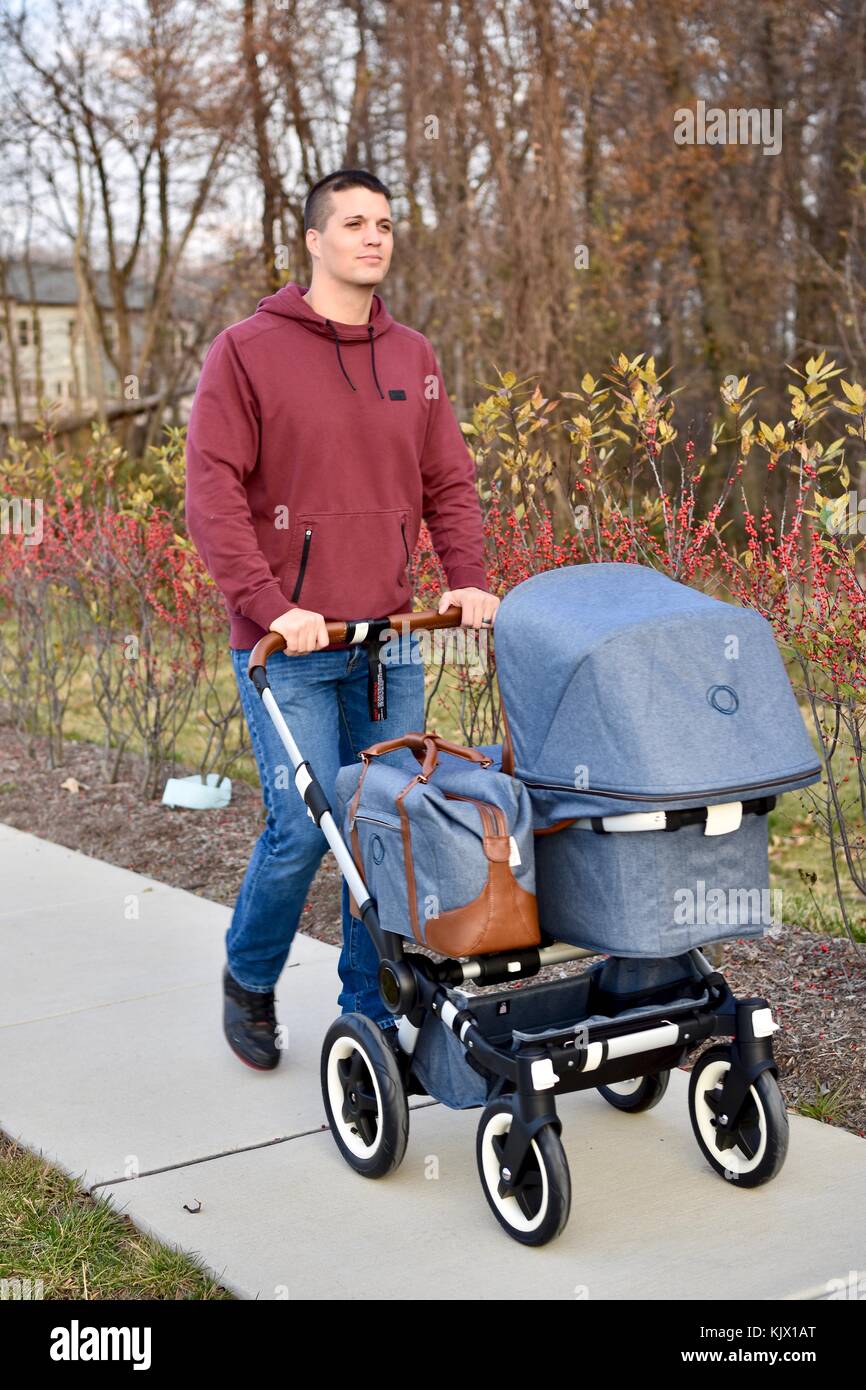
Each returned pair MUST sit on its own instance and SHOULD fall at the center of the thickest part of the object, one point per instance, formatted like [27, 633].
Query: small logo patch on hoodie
[397, 395]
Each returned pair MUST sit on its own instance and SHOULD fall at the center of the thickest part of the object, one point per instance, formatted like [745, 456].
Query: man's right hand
[303, 630]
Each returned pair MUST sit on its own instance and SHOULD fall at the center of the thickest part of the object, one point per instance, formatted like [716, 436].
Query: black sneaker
[250, 1024]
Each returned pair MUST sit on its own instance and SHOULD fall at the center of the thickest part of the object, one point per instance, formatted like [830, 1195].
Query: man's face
[358, 239]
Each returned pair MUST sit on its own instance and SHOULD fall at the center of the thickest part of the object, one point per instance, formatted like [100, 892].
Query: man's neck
[345, 303]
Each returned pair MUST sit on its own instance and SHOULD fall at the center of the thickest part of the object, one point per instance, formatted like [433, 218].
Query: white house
[42, 301]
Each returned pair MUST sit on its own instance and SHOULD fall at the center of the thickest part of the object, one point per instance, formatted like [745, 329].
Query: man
[320, 434]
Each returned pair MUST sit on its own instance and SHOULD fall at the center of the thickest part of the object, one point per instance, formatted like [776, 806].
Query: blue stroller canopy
[624, 689]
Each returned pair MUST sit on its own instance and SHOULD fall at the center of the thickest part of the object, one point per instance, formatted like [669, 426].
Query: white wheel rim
[341, 1050]
[733, 1160]
[625, 1088]
[508, 1206]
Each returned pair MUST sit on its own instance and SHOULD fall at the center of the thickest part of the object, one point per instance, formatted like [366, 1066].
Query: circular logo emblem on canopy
[723, 698]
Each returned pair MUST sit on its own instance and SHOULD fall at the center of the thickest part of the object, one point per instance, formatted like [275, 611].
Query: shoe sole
[256, 1066]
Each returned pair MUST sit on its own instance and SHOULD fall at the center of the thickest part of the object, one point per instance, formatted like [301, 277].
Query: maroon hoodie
[314, 448]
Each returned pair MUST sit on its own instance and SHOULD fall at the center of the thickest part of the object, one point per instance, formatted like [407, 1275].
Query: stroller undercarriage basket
[609, 991]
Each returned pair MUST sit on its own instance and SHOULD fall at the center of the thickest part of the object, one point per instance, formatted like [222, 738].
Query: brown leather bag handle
[436, 743]
[426, 748]
[415, 741]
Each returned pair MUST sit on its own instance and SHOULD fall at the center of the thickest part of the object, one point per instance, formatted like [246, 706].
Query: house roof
[56, 284]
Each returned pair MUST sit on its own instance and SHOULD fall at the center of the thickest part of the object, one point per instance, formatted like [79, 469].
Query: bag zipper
[300, 579]
[735, 792]
[389, 825]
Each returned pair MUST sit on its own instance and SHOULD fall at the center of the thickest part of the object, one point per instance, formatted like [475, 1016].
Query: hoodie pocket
[350, 564]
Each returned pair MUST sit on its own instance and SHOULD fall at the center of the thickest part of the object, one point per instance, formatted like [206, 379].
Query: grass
[829, 1103]
[70, 1245]
[796, 853]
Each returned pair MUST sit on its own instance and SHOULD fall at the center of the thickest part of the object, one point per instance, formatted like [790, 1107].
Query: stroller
[648, 729]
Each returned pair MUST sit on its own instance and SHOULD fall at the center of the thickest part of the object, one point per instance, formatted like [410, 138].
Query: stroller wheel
[762, 1125]
[538, 1209]
[364, 1096]
[639, 1093]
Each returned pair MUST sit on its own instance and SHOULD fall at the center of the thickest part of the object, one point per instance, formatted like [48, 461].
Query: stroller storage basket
[592, 1003]
[446, 849]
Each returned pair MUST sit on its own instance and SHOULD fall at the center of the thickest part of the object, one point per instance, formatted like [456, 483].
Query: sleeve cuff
[468, 577]
[268, 604]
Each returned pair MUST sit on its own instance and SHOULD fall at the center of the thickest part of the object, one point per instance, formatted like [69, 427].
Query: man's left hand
[478, 607]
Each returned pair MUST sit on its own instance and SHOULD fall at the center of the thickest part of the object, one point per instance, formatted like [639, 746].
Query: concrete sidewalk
[108, 978]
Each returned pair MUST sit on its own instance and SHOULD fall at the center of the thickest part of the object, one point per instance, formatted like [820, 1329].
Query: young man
[320, 434]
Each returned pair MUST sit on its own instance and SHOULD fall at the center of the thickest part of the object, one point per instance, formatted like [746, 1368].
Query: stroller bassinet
[653, 748]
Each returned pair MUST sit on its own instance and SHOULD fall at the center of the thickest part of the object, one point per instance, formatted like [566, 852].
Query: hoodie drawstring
[370, 330]
[373, 360]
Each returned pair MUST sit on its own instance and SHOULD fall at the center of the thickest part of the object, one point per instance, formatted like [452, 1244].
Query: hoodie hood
[290, 303]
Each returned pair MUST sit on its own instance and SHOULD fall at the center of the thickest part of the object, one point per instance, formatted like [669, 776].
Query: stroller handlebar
[358, 630]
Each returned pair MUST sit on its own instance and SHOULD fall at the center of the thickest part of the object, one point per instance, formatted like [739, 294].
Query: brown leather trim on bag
[496, 840]
[504, 917]
[356, 843]
[407, 856]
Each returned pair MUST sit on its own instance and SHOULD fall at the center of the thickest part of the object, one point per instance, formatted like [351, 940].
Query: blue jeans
[323, 697]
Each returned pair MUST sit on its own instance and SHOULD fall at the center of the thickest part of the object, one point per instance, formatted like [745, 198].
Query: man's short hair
[319, 204]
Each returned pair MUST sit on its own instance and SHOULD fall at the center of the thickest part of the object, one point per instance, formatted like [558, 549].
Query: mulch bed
[815, 985]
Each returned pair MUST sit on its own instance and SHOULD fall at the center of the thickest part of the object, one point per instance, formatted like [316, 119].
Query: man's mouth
[369, 258]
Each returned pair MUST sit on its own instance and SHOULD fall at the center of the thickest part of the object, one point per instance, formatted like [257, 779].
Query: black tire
[637, 1095]
[540, 1211]
[364, 1096]
[763, 1122]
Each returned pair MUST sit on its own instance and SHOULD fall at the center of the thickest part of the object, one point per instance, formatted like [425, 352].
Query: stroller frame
[557, 1047]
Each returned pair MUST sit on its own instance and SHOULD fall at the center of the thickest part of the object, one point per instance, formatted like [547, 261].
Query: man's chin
[368, 274]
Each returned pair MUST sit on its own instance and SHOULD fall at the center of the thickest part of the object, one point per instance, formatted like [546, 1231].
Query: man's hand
[303, 630]
[479, 607]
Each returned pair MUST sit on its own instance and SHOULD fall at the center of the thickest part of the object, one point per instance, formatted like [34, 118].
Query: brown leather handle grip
[423, 619]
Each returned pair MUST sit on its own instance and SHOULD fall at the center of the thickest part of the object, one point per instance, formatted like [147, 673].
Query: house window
[23, 333]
